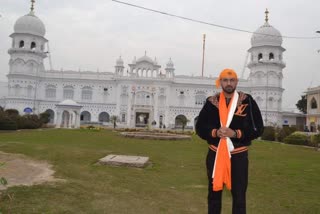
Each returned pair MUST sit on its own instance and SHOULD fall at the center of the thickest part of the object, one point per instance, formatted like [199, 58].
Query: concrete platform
[125, 160]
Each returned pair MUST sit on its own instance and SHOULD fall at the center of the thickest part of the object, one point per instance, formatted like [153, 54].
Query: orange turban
[226, 73]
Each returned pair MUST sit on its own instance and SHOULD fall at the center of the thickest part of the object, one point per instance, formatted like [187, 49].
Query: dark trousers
[239, 183]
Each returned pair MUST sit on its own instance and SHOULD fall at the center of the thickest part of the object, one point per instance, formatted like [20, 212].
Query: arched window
[124, 99]
[33, 45]
[123, 117]
[271, 56]
[161, 100]
[68, 92]
[86, 93]
[313, 103]
[200, 98]
[50, 91]
[259, 56]
[29, 91]
[17, 90]
[21, 44]
[270, 102]
[181, 99]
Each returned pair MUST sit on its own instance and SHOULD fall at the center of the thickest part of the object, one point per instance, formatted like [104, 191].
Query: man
[228, 121]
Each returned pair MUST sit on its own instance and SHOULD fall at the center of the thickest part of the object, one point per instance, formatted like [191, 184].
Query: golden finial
[267, 13]
[32, 5]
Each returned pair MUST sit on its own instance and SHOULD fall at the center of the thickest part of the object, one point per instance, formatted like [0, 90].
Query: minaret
[119, 67]
[266, 65]
[170, 69]
[26, 57]
[27, 51]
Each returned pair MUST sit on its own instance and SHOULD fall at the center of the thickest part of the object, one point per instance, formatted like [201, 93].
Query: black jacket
[251, 128]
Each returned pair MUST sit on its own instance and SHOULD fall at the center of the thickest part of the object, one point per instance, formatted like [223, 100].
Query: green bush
[297, 138]
[7, 124]
[12, 113]
[44, 117]
[268, 133]
[284, 132]
[315, 140]
[29, 122]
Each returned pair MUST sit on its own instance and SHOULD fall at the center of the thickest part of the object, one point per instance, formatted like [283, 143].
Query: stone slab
[125, 160]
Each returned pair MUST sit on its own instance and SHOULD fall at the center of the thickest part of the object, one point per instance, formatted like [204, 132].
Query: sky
[91, 35]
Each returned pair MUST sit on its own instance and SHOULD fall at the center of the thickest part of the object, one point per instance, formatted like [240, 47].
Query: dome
[30, 24]
[170, 64]
[266, 35]
[119, 62]
[68, 103]
[146, 59]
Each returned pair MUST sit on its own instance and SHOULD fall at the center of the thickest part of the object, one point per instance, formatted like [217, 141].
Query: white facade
[138, 94]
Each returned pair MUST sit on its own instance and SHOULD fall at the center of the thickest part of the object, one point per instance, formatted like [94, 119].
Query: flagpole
[204, 43]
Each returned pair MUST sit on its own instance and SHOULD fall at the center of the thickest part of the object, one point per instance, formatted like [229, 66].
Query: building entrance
[142, 119]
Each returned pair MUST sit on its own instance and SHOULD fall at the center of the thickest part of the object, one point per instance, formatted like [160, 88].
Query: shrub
[7, 124]
[44, 117]
[297, 138]
[268, 133]
[284, 132]
[315, 140]
[12, 113]
[29, 122]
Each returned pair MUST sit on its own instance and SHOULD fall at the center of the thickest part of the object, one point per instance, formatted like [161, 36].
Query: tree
[44, 117]
[183, 121]
[114, 119]
[302, 104]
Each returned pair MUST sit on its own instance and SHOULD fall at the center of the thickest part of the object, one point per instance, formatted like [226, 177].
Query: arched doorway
[51, 115]
[85, 117]
[313, 127]
[195, 121]
[65, 119]
[104, 117]
[180, 121]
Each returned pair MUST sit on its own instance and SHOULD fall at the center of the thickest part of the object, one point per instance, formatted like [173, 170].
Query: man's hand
[225, 132]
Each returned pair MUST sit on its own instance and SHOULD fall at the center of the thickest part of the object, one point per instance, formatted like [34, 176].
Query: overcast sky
[91, 35]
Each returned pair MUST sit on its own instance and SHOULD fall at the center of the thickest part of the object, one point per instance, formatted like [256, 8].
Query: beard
[228, 89]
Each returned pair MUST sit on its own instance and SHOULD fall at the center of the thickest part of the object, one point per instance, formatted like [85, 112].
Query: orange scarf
[222, 165]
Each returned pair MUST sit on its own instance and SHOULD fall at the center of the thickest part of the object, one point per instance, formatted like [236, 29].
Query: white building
[137, 94]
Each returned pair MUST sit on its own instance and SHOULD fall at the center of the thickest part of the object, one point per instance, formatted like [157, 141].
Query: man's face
[228, 85]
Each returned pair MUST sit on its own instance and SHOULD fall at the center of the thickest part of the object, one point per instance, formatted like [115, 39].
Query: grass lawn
[282, 178]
